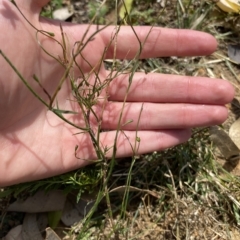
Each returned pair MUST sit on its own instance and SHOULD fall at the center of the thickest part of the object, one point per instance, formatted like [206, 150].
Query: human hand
[36, 144]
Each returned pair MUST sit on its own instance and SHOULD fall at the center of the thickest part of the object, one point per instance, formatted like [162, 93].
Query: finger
[152, 116]
[64, 158]
[146, 142]
[129, 143]
[39, 3]
[92, 47]
[154, 87]
[31, 6]
[157, 42]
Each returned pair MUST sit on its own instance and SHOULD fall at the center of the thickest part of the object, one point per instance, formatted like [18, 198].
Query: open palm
[36, 144]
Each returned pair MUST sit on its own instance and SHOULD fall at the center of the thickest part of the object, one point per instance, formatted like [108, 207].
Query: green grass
[53, 5]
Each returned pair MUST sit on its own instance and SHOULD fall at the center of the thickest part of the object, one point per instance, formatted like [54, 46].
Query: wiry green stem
[58, 112]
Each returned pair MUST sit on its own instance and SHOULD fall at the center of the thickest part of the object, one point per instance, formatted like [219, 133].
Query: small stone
[62, 14]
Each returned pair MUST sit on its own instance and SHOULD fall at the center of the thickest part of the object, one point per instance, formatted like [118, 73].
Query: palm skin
[36, 144]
